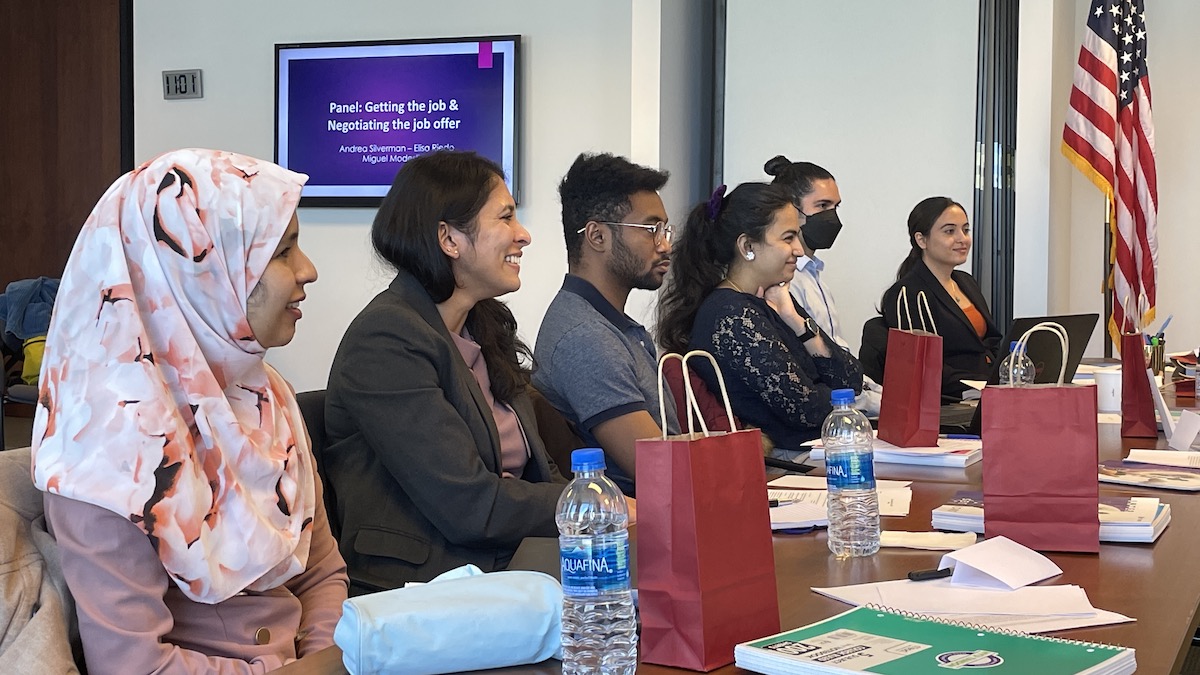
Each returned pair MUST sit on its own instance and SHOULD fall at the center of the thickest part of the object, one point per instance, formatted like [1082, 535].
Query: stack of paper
[948, 452]
[808, 508]
[1122, 519]
[870, 640]
[990, 586]
[1169, 469]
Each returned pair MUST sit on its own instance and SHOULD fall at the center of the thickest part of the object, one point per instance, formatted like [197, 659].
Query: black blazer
[964, 355]
[414, 455]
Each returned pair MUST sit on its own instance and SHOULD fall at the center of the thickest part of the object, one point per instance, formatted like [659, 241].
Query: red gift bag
[1040, 453]
[1137, 406]
[706, 566]
[910, 412]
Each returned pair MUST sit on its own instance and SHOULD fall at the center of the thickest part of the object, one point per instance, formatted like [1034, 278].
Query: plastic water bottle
[1022, 372]
[850, 473]
[599, 626]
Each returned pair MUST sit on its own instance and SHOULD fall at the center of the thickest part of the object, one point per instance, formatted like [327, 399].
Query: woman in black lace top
[727, 294]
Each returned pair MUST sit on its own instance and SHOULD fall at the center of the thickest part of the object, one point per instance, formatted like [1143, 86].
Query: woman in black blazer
[434, 452]
[940, 237]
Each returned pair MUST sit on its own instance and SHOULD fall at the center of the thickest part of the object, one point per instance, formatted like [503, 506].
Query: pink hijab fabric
[155, 401]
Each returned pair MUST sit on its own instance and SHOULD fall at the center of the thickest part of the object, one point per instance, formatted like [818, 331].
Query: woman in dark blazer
[940, 237]
[434, 450]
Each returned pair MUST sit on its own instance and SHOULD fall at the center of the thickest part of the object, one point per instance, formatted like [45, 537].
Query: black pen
[928, 575]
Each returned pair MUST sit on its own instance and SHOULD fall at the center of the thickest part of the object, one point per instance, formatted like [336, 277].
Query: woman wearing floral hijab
[178, 476]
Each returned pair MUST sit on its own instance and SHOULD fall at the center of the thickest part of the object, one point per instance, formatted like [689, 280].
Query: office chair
[312, 408]
[23, 394]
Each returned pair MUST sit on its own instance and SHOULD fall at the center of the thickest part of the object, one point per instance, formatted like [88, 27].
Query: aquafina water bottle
[850, 472]
[599, 626]
[1017, 367]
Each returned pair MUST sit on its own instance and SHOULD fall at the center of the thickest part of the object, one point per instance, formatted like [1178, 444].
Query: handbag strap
[1063, 340]
[690, 394]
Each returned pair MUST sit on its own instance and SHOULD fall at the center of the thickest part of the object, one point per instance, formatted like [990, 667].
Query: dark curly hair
[450, 187]
[796, 177]
[701, 256]
[597, 187]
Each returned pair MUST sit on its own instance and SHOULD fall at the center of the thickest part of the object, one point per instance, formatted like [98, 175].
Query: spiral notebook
[878, 640]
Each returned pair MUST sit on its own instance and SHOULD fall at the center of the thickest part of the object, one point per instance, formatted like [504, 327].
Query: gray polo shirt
[594, 363]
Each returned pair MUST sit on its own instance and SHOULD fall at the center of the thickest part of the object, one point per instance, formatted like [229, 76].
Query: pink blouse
[514, 450]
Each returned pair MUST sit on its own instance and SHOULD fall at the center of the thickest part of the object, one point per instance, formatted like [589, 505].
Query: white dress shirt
[816, 299]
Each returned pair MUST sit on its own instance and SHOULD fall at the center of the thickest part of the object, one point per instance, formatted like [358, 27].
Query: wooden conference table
[1157, 584]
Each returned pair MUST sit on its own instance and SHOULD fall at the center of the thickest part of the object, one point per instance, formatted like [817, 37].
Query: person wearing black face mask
[815, 193]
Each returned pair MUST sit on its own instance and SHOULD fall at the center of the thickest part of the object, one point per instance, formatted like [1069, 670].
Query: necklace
[733, 285]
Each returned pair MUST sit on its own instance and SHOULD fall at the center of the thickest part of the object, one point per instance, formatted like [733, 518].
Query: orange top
[975, 318]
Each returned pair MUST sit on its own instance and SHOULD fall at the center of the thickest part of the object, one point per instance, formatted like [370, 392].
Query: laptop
[1043, 349]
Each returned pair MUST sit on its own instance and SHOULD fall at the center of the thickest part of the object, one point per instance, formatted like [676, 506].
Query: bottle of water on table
[599, 626]
[1022, 372]
[850, 472]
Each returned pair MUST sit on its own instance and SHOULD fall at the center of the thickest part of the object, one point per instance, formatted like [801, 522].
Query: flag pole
[1106, 283]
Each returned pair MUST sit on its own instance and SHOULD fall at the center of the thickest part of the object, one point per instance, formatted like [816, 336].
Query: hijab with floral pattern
[155, 401]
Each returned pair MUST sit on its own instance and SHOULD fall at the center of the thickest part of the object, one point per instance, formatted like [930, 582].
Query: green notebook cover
[872, 640]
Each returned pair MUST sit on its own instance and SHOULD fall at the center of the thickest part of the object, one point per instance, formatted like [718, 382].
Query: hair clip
[715, 202]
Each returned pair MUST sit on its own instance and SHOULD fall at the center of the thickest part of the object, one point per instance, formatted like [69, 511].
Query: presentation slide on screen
[351, 122]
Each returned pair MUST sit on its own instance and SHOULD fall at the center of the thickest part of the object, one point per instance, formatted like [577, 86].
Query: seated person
[595, 364]
[727, 294]
[434, 452]
[940, 237]
[178, 475]
[816, 195]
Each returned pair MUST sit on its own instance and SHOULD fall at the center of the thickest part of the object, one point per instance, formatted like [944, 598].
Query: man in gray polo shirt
[596, 365]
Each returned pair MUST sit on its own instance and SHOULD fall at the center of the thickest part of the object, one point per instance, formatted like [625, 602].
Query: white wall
[578, 83]
[880, 93]
[1076, 207]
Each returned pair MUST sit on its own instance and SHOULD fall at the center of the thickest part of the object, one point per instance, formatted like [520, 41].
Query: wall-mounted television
[350, 114]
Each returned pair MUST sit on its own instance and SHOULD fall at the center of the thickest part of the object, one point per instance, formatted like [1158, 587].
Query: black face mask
[821, 229]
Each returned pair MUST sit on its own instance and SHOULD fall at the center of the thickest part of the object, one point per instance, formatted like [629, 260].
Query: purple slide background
[314, 83]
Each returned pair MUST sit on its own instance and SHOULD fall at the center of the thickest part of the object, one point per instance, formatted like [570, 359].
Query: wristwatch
[810, 329]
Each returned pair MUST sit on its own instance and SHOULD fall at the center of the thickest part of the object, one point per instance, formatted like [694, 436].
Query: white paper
[1165, 457]
[998, 562]
[927, 541]
[1165, 420]
[930, 597]
[808, 508]
[1186, 429]
[800, 514]
[862, 594]
[819, 483]
[975, 384]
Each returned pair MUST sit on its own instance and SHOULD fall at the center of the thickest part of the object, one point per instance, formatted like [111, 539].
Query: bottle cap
[1013, 346]
[842, 396]
[587, 459]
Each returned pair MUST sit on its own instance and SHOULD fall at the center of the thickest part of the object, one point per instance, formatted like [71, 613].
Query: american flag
[1109, 136]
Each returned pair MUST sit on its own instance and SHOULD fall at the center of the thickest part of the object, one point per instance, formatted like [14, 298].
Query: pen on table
[961, 437]
[779, 502]
[927, 575]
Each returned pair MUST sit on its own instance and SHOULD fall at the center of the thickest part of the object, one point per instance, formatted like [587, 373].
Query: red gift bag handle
[922, 301]
[692, 405]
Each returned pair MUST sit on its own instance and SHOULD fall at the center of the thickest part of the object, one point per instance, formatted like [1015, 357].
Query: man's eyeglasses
[661, 231]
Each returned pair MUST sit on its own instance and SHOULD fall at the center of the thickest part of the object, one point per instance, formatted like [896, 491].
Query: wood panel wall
[60, 125]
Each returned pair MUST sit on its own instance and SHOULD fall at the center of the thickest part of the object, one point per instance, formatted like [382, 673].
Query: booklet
[1122, 519]
[1126, 472]
[947, 452]
[875, 640]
